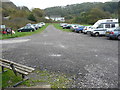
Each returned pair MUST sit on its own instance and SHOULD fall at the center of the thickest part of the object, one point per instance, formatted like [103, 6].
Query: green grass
[21, 34]
[86, 25]
[38, 78]
[8, 79]
[54, 79]
[58, 27]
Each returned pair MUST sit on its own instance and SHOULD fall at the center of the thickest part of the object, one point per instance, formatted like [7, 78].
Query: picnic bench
[16, 68]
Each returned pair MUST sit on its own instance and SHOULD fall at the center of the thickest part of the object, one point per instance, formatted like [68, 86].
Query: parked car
[26, 29]
[113, 33]
[62, 24]
[36, 26]
[30, 25]
[86, 29]
[74, 26]
[79, 29]
[68, 26]
[100, 27]
[42, 23]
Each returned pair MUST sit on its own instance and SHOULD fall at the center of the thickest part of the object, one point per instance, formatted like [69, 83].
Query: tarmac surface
[92, 62]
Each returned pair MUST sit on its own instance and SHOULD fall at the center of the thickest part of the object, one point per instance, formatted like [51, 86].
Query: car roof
[110, 23]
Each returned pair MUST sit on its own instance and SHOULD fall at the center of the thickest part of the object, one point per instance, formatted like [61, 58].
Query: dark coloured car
[26, 29]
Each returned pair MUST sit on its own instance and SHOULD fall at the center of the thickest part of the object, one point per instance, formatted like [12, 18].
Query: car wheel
[96, 34]
[31, 30]
[91, 34]
[109, 38]
[118, 37]
[88, 33]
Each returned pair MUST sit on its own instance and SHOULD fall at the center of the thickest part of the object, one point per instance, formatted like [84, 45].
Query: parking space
[88, 61]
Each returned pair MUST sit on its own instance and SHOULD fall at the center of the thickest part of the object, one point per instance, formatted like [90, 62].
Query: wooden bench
[16, 68]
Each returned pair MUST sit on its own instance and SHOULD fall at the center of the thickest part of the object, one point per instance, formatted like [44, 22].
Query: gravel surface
[92, 62]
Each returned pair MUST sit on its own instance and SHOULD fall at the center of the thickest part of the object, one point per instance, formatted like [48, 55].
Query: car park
[100, 27]
[113, 33]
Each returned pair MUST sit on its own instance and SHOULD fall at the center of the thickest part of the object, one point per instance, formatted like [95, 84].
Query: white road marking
[45, 43]
[45, 35]
[96, 55]
[13, 41]
[55, 55]
[62, 46]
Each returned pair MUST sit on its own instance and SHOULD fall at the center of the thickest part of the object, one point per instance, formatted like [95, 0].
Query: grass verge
[37, 78]
[21, 34]
[9, 79]
[56, 25]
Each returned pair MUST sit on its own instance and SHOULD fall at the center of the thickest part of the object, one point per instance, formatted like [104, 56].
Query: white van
[100, 27]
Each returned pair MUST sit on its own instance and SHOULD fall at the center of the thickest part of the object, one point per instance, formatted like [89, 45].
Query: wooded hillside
[16, 17]
[85, 12]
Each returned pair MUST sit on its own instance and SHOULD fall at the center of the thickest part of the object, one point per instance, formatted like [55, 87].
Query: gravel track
[92, 62]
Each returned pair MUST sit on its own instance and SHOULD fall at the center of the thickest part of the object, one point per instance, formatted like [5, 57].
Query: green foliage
[91, 16]
[20, 16]
[76, 9]
[85, 13]
[31, 17]
[54, 79]
[96, 14]
[38, 12]
[9, 79]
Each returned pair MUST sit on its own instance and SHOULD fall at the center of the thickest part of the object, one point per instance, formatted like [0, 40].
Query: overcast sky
[49, 3]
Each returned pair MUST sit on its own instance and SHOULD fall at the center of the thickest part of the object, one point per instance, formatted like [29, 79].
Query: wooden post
[23, 76]
[11, 31]
[12, 66]
[2, 69]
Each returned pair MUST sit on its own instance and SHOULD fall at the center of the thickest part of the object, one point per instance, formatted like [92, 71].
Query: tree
[96, 14]
[32, 17]
[38, 12]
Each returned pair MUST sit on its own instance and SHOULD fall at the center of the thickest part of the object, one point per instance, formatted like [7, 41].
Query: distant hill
[76, 9]
[18, 15]
[9, 8]
[8, 5]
